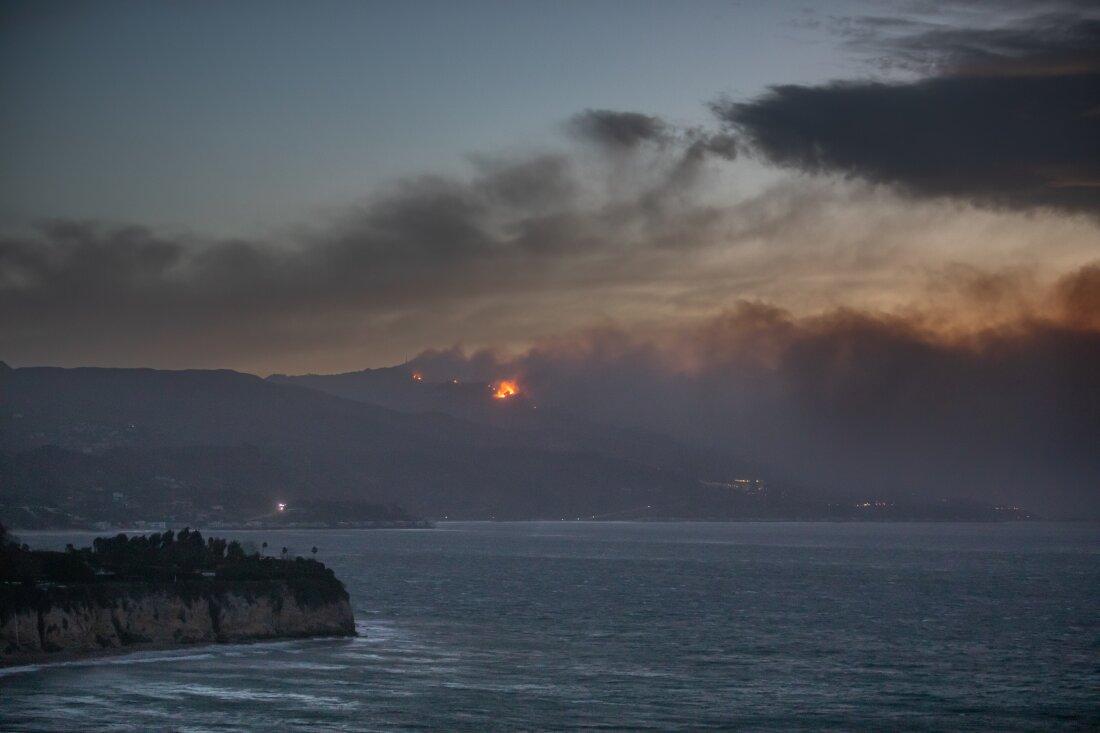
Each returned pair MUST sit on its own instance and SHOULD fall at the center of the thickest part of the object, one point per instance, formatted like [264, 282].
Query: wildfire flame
[506, 388]
[418, 377]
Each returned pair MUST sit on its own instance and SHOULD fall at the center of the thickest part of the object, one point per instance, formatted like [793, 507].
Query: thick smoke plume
[852, 401]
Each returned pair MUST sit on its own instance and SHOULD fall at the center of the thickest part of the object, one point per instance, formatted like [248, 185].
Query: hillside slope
[230, 438]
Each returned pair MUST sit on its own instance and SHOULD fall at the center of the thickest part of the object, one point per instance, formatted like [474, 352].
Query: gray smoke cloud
[1010, 116]
[851, 402]
[620, 129]
[431, 248]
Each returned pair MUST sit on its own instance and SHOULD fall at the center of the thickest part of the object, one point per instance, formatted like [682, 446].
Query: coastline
[59, 621]
[442, 523]
[12, 664]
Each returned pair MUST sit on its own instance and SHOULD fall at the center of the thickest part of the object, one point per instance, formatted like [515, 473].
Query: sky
[852, 239]
[331, 186]
[232, 118]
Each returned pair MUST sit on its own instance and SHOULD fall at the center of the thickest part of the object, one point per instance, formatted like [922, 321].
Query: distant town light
[281, 506]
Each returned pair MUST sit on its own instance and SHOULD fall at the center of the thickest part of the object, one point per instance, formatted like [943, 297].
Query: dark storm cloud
[626, 131]
[1012, 118]
[620, 129]
[1012, 141]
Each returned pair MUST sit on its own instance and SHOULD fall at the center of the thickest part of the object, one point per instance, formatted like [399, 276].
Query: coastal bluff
[35, 623]
[246, 599]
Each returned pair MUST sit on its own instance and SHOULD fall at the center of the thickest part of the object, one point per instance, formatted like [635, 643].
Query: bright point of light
[506, 388]
[281, 506]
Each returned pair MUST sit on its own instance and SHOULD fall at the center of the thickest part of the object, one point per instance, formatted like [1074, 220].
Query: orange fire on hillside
[506, 388]
[418, 377]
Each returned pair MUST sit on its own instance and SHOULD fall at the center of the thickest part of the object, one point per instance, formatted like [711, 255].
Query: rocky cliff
[37, 622]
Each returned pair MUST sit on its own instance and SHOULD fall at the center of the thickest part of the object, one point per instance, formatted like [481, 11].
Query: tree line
[158, 556]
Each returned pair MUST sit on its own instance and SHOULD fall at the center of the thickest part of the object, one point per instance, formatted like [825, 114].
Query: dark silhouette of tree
[64, 567]
[9, 554]
[215, 550]
[153, 557]
[234, 553]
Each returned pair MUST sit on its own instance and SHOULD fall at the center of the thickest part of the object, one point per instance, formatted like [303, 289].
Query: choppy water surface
[562, 625]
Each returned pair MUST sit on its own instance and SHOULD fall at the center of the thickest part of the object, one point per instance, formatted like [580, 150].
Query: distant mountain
[402, 389]
[111, 445]
[102, 408]
[205, 438]
[730, 488]
[396, 387]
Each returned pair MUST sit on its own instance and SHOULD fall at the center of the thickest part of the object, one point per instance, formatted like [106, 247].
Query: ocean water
[758, 626]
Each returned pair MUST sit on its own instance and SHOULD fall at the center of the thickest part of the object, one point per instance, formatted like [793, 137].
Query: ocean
[660, 626]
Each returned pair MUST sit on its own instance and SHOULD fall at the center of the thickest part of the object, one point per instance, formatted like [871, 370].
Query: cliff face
[93, 617]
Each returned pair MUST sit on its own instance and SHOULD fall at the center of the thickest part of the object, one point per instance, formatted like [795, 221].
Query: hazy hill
[118, 444]
[521, 418]
[102, 408]
[237, 440]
